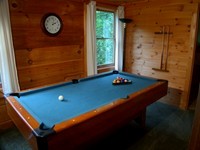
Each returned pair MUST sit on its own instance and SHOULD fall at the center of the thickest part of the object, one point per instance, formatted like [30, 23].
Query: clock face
[52, 24]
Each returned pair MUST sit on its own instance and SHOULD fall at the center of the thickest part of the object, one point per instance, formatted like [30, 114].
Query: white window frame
[106, 67]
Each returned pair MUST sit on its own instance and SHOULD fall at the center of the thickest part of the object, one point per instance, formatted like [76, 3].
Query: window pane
[104, 24]
[105, 51]
[105, 42]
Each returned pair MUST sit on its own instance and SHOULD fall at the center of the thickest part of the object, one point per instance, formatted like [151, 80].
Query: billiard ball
[114, 81]
[60, 97]
[118, 81]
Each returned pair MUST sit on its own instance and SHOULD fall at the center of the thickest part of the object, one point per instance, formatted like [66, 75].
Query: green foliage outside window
[105, 37]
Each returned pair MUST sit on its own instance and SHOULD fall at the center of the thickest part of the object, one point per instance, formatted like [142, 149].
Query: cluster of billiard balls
[120, 80]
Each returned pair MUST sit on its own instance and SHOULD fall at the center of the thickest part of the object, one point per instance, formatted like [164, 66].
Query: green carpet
[167, 128]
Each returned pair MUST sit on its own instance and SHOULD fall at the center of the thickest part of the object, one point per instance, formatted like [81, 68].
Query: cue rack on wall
[165, 32]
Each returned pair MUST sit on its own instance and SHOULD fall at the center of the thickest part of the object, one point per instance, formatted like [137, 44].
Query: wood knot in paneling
[139, 46]
[14, 5]
[30, 62]
[29, 49]
[79, 51]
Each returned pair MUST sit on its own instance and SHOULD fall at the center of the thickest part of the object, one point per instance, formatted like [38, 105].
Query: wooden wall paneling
[152, 3]
[26, 23]
[49, 74]
[85, 39]
[140, 2]
[41, 59]
[48, 55]
[5, 121]
[173, 97]
[3, 115]
[144, 47]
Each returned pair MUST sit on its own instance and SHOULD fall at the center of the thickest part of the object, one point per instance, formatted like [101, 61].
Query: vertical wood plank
[144, 47]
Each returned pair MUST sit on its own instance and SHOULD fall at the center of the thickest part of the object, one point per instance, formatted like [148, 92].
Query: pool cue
[163, 47]
[167, 48]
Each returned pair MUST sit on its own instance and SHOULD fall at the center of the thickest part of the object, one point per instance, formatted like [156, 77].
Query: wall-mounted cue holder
[165, 32]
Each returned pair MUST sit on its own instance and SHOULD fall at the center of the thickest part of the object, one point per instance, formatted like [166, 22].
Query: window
[105, 38]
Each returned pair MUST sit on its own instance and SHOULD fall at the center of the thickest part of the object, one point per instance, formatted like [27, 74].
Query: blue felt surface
[88, 94]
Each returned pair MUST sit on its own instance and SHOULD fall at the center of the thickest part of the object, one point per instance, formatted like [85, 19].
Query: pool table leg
[141, 119]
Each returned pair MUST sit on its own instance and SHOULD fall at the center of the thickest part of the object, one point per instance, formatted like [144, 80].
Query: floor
[167, 128]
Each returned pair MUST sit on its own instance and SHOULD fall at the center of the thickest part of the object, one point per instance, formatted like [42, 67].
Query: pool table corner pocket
[43, 131]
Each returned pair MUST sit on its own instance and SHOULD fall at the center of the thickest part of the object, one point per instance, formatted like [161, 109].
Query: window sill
[105, 68]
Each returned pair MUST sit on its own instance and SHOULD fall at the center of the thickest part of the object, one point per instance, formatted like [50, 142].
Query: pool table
[92, 108]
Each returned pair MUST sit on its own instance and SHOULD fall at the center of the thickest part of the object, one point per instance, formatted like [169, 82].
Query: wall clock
[51, 24]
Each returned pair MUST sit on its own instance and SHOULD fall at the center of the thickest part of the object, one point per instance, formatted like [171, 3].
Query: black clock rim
[43, 24]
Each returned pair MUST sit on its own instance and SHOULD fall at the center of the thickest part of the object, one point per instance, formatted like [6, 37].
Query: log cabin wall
[144, 43]
[42, 59]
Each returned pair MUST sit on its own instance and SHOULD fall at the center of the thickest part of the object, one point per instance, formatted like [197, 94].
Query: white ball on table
[61, 98]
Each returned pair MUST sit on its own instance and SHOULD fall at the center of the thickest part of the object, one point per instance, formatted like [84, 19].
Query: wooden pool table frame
[89, 127]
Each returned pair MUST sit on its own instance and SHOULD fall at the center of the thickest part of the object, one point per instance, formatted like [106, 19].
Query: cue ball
[61, 97]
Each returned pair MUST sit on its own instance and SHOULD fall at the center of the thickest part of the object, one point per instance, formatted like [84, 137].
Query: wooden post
[195, 137]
